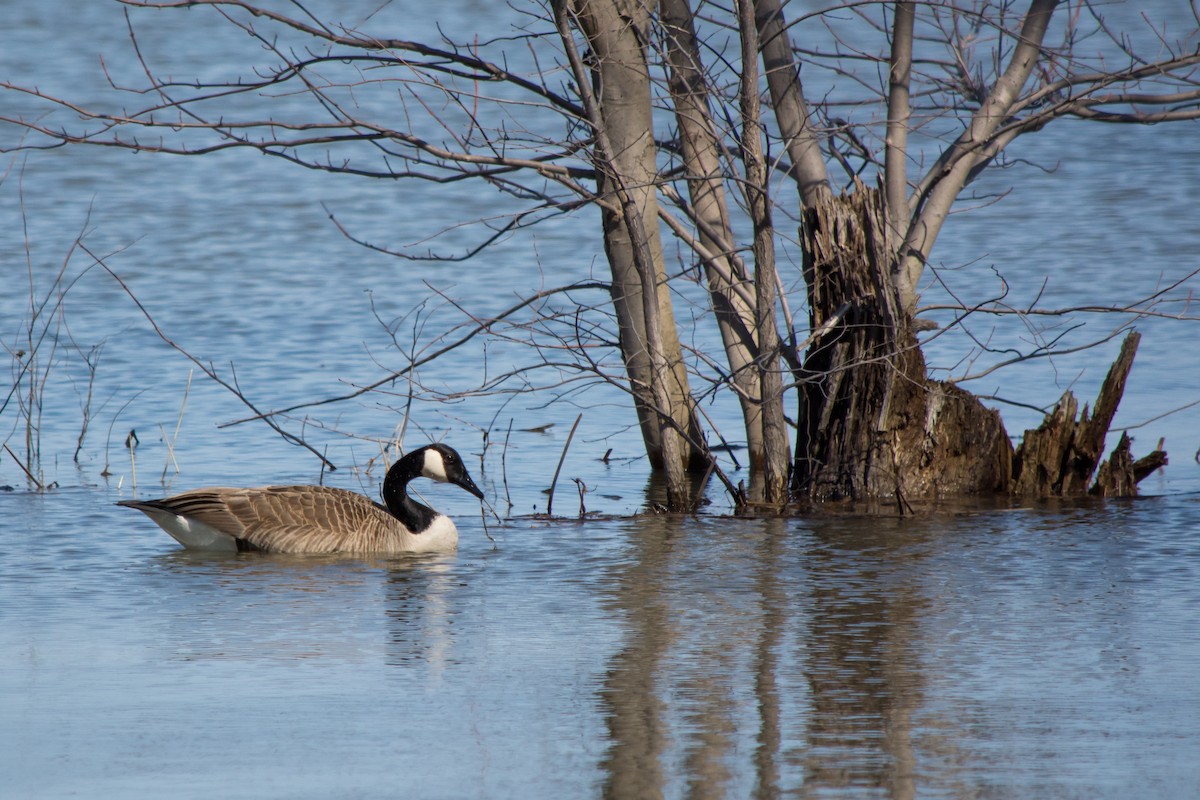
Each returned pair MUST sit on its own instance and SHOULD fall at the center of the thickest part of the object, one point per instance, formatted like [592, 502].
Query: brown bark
[1116, 478]
[871, 424]
[1148, 464]
[1061, 455]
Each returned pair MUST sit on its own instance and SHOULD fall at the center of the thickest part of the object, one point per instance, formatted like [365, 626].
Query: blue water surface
[992, 652]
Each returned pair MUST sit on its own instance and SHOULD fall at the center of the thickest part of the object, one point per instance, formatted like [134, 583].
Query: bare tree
[951, 84]
[775, 455]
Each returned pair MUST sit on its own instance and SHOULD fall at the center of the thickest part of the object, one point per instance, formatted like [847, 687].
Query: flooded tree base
[874, 427]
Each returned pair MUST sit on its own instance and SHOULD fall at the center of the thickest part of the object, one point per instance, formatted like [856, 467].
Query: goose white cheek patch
[435, 467]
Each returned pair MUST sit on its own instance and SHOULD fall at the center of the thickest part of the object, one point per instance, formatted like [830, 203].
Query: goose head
[437, 462]
[443, 464]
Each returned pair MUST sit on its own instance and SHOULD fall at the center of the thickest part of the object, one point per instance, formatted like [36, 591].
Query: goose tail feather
[190, 533]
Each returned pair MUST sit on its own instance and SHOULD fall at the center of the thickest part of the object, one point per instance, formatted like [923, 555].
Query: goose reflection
[420, 612]
[263, 607]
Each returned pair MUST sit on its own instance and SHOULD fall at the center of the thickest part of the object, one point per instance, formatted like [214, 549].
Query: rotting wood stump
[1060, 457]
[873, 426]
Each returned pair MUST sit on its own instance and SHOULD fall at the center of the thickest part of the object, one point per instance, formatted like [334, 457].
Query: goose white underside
[192, 534]
[440, 537]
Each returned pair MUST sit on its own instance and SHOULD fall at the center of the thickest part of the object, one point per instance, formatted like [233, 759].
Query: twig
[712, 465]
[504, 466]
[24, 469]
[170, 454]
[481, 326]
[108, 439]
[90, 359]
[561, 459]
[178, 423]
[1157, 417]
[483, 516]
[582, 487]
[131, 443]
[208, 370]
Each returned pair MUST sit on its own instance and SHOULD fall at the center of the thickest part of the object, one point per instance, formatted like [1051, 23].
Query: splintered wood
[1061, 455]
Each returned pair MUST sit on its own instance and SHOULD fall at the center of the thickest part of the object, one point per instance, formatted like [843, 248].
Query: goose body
[317, 519]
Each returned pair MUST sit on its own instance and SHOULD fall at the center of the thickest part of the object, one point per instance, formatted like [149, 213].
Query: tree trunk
[974, 147]
[896, 139]
[791, 110]
[724, 271]
[627, 173]
[774, 431]
[871, 424]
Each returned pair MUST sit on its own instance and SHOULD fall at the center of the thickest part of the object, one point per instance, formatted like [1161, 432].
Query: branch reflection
[798, 643]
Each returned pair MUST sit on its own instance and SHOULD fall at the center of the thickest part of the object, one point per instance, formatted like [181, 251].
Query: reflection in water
[899, 658]
[860, 660]
[1041, 653]
[419, 621]
[633, 711]
[707, 617]
[304, 607]
[745, 658]
[802, 643]
[766, 655]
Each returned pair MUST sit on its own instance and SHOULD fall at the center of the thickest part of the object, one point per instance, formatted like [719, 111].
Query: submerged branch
[207, 369]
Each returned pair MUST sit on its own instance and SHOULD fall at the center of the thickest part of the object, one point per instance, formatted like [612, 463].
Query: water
[1011, 653]
[1045, 652]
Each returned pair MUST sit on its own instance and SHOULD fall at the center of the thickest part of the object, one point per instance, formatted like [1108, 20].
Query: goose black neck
[413, 515]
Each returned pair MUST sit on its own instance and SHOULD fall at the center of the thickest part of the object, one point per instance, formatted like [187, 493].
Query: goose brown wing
[308, 519]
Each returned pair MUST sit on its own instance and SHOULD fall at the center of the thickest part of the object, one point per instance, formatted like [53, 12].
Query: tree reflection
[632, 707]
[760, 662]
[861, 662]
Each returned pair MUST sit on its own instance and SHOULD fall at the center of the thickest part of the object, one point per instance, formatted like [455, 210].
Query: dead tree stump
[872, 425]
[1060, 457]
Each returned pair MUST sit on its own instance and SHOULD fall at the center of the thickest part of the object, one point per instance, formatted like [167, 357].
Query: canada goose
[317, 519]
